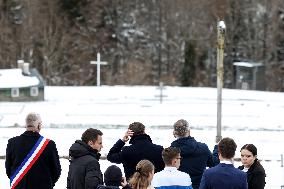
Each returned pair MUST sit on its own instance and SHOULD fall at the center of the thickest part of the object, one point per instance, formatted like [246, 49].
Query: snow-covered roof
[247, 64]
[13, 78]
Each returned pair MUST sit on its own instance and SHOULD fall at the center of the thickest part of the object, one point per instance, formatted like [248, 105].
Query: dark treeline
[143, 41]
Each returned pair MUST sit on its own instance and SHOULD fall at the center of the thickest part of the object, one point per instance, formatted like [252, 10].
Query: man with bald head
[32, 161]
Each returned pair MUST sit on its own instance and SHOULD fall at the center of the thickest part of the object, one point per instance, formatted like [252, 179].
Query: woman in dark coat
[251, 165]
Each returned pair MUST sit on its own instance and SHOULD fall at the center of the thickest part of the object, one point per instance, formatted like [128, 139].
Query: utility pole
[221, 28]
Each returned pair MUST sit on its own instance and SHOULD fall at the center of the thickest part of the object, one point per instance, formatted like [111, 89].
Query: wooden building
[19, 85]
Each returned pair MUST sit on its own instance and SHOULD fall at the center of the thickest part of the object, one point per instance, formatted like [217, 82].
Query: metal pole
[281, 160]
[161, 85]
[220, 70]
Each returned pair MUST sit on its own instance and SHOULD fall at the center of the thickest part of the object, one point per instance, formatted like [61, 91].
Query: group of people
[32, 161]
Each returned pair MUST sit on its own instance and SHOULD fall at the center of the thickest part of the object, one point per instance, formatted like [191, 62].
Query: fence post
[282, 164]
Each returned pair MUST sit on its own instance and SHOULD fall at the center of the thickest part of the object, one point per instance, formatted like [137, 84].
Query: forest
[144, 42]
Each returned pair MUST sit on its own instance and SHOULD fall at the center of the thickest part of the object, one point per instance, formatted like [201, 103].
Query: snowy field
[248, 117]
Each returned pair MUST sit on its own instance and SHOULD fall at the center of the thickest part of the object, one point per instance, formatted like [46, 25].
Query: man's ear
[174, 133]
[90, 143]
[188, 132]
[174, 162]
[39, 127]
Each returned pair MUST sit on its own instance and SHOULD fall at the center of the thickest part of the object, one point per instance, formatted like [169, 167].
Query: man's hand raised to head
[128, 134]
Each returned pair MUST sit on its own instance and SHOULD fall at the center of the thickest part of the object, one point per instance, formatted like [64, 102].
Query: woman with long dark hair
[253, 168]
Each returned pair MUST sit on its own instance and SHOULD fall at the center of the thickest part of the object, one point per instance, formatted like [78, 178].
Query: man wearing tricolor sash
[32, 161]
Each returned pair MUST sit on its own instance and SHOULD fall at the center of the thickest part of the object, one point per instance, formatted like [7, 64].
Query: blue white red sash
[28, 162]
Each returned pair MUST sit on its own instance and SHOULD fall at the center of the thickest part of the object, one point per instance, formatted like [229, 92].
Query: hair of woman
[139, 179]
[251, 148]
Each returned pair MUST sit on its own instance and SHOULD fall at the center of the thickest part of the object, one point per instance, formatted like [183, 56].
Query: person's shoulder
[51, 145]
[236, 171]
[159, 174]
[258, 169]
[202, 144]
[158, 146]
[182, 173]
[89, 162]
[210, 170]
[14, 139]
[240, 173]
[215, 169]
[51, 142]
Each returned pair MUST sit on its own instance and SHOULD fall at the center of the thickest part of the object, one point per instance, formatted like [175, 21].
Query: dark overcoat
[46, 170]
[196, 156]
[84, 169]
[141, 148]
[255, 175]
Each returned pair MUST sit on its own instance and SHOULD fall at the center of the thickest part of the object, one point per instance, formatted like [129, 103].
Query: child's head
[113, 176]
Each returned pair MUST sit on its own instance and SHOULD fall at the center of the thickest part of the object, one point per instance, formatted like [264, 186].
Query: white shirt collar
[245, 169]
[170, 168]
[226, 162]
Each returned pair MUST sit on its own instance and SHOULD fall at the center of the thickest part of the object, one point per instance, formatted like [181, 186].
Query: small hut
[21, 84]
[249, 75]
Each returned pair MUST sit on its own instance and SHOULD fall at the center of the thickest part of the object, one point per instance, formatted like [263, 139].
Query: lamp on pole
[221, 29]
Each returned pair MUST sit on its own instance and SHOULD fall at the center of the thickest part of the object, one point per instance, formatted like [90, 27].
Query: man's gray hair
[181, 127]
[32, 119]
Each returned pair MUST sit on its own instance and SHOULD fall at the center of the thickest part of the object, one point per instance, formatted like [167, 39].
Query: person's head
[113, 176]
[181, 128]
[227, 148]
[248, 155]
[93, 137]
[143, 175]
[33, 122]
[171, 157]
[137, 128]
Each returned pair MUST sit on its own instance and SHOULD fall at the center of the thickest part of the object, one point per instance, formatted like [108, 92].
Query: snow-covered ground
[120, 105]
[248, 117]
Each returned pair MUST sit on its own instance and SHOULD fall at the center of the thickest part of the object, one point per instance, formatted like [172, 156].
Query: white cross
[99, 63]
[161, 88]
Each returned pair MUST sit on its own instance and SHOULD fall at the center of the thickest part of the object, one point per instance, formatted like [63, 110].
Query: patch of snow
[13, 78]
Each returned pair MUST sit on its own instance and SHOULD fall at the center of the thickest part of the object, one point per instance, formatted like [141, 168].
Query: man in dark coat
[46, 170]
[141, 148]
[84, 170]
[195, 155]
